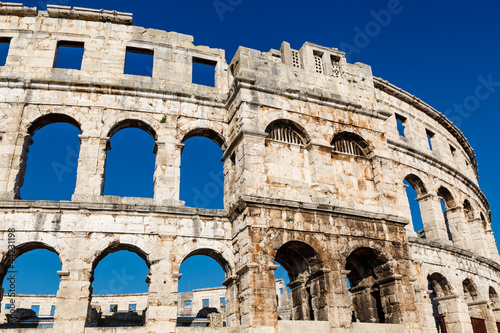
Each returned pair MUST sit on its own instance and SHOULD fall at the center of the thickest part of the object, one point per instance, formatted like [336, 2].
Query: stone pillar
[72, 300]
[14, 149]
[433, 218]
[91, 168]
[167, 173]
[161, 314]
[257, 294]
[340, 312]
[232, 304]
[457, 319]
[459, 228]
[321, 293]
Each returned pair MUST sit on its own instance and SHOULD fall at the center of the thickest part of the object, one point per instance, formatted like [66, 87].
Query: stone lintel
[245, 268]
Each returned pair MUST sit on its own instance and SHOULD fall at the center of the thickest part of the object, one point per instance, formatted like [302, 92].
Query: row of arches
[457, 307]
[130, 165]
[51, 171]
[439, 216]
[367, 273]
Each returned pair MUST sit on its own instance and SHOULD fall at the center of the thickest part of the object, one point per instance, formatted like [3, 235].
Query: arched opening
[30, 285]
[306, 277]
[130, 161]
[54, 148]
[483, 221]
[201, 296]
[350, 144]
[286, 131]
[202, 172]
[283, 294]
[371, 298]
[494, 304]
[447, 202]
[476, 309]
[468, 209]
[414, 189]
[439, 289]
[119, 287]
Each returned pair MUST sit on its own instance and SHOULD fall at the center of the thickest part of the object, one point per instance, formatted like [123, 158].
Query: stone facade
[314, 170]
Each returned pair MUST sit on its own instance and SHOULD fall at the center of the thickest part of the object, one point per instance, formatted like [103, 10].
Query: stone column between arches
[432, 218]
[167, 173]
[457, 319]
[91, 167]
[13, 158]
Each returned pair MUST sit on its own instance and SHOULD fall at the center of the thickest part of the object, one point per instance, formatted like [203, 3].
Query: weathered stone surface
[314, 170]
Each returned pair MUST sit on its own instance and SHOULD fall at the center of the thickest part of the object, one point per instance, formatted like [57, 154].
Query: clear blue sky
[438, 51]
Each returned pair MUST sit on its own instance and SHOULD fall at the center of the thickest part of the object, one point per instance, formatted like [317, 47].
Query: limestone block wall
[314, 171]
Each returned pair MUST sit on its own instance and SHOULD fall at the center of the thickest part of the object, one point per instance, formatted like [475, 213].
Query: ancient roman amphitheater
[314, 179]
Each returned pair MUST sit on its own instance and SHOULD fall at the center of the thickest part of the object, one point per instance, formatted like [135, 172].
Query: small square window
[204, 72]
[132, 307]
[4, 49]
[453, 151]
[52, 310]
[35, 308]
[400, 120]
[113, 308]
[430, 136]
[69, 55]
[188, 303]
[206, 303]
[7, 306]
[139, 61]
[222, 301]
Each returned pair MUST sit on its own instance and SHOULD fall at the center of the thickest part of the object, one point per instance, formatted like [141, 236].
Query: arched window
[53, 159]
[414, 189]
[350, 144]
[130, 161]
[202, 297]
[439, 288]
[468, 209]
[470, 291]
[366, 268]
[303, 266]
[30, 286]
[447, 202]
[202, 172]
[285, 131]
[119, 287]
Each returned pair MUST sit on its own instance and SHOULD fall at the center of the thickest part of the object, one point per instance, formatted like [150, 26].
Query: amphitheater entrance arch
[307, 280]
[371, 284]
[202, 295]
[119, 287]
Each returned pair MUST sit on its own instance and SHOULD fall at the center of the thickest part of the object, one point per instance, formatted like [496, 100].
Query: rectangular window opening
[430, 135]
[335, 61]
[204, 72]
[222, 301]
[69, 55]
[132, 307]
[206, 303]
[453, 151]
[113, 308]
[188, 303]
[318, 62]
[282, 291]
[4, 49]
[35, 308]
[139, 61]
[400, 120]
[52, 310]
